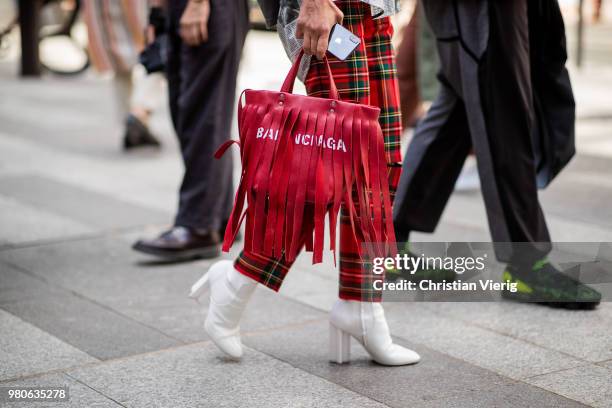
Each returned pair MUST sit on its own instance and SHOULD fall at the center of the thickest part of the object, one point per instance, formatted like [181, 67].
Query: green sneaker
[545, 284]
[433, 275]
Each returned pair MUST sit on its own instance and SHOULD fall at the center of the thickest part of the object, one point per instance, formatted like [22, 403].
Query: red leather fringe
[291, 187]
[280, 179]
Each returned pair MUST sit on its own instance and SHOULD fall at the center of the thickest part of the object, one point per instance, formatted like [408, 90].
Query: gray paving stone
[571, 205]
[587, 202]
[83, 122]
[195, 375]
[589, 383]
[582, 334]
[153, 294]
[22, 223]
[16, 286]
[182, 318]
[497, 352]
[451, 231]
[27, 350]
[79, 394]
[86, 325]
[464, 219]
[436, 380]
[504, 396]
[125, 177]
[313, 285]
[88, 207]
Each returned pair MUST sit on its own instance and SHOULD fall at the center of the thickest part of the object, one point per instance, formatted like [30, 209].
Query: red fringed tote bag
[302, 157]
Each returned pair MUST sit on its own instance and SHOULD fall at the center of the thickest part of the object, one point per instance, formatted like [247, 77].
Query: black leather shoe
[182, 243]
[137, 134]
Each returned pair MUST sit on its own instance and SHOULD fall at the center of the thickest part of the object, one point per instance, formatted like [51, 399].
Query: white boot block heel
[367, 324]
[200, 288]
[339, 345]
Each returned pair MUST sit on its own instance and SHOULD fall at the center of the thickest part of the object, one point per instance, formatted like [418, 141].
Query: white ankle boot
[229, 293]
[366, 322]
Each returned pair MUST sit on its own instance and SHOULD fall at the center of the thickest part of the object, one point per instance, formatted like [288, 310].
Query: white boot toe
[397, 355]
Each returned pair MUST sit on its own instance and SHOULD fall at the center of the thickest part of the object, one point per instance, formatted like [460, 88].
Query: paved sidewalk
[79, 308]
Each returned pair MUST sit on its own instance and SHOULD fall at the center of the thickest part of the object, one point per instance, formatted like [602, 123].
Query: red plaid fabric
[367, 77]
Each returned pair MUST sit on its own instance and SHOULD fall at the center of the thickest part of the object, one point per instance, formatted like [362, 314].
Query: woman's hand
[194, 22]
[316, 19]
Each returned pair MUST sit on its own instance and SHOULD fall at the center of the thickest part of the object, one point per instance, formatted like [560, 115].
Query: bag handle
[290, 79]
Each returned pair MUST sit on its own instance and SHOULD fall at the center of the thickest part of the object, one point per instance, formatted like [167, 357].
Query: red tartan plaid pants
[368, 76]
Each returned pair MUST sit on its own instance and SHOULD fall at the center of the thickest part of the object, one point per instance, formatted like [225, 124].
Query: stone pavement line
[76, 237]
[605, 363]
[590, 384]
[89, 366]
[558, 330]
[94, 390]
[507, 357]
[465, 383]
[29, 350]
[573, 360]
[73, 244]
[22, 223]
[179, 380]
[90, 300]
[81, 396]
[509, 334]
[117, 175]
[95, 362]
[294, 326]
[77, 320]
[252, 334]
[435, 309]
[81, 203]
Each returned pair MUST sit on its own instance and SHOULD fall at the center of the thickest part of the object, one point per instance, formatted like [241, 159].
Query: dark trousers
[485, 104]
[202, 88]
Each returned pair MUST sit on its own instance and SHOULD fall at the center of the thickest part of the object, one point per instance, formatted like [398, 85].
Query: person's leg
[506, 90]
[507, 104]
[173, 61]
[356, 279]
[202, 86]
[353, 80]
[407, 72]
[432, 164]
[597, 10]
[231, 286]
[144, 92]
[369, 77]
[363, 320]
[122, 84]
[270, 271]
[205, 106]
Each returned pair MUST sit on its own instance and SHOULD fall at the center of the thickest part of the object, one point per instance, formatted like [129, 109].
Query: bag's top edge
[257, 96]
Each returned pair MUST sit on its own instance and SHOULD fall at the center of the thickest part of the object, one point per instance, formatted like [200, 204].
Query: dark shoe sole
[137, 134]
[519, 297]
[184, 255]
